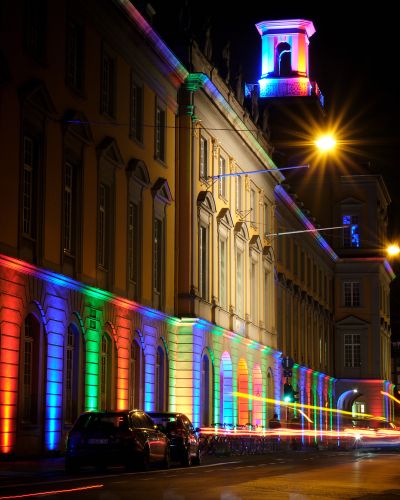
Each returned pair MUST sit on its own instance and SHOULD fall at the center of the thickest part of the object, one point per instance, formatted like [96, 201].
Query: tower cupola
[285, 59]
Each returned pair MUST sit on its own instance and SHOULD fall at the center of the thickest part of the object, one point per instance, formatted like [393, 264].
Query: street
[294, 475]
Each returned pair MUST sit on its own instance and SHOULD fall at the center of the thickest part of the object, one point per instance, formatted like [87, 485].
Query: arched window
[206, 384]
[105, 382]
[136, 381]
[32, 371]
[161, 380]
[74, 375]
[283, 59]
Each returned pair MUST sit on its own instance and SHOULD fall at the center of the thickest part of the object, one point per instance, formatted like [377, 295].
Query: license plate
[97, 441]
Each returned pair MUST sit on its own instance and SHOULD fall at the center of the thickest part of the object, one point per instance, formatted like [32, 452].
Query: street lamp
[393, 250]
[325, 143]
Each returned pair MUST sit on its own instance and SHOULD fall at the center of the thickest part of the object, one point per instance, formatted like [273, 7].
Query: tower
[285, 58]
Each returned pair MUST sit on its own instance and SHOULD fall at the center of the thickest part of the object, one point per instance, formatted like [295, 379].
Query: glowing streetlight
[325, 143]
[393, 250]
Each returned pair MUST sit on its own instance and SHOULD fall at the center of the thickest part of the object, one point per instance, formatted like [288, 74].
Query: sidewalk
[43, 467]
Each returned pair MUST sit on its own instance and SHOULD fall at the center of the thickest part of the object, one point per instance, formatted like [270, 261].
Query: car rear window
[109, 422]
[141, 420]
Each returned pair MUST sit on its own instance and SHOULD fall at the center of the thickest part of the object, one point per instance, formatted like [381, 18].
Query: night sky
[353, 57]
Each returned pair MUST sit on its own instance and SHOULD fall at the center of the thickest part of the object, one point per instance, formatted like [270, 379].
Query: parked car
[102, 438]
[183, 439]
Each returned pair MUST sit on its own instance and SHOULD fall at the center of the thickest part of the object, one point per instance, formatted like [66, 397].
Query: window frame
[160, 131]
[108, 85]
[351, 355]
[136, 117]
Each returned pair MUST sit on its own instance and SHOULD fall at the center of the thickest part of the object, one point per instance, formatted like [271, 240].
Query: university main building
[143, 260]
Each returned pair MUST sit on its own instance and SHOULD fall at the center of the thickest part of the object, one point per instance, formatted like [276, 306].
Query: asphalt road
[294, 476]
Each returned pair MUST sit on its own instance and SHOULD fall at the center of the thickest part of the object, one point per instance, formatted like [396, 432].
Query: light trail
[297, 406]
[390, 396]
[54, 492]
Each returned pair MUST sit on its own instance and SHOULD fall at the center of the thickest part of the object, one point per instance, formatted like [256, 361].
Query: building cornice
[90, 291]
[314, 233]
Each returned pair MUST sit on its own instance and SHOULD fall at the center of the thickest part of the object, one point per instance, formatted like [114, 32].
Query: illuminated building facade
[353, 293]
[130, 276]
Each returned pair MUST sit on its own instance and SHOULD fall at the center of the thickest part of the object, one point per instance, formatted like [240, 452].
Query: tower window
[283, 64]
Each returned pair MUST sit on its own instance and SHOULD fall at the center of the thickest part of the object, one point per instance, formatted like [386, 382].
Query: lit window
[351, 237]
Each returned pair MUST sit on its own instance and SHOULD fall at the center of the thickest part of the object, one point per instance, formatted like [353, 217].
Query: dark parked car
[102, 438]
[183, 439]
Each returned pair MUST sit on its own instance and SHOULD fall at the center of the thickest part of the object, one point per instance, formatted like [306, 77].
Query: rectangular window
[295, 258]
[315, 279]
[352, 350]
[160, 133]
[158, 252]
[136, 118]
[35, 22]
[203, 262]
[288, 252]
[75, 56]
[302, 266]
[265, 220]
[352, 294]
[222, 273]
[28, 181]
[239, 284]
[239, 193]
[222, 179]
[351, 237]
[68, 207]
[203, 158]
[253, 207]
[267, 300]
[254, 291]
[133, 242]
[102, 235]
[108, 75]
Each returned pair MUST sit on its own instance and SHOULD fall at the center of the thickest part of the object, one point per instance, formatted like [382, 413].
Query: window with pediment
[225, 224]
[206, 209]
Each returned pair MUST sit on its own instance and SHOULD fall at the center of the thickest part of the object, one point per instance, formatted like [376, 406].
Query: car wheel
[186, 459]
[71, 465]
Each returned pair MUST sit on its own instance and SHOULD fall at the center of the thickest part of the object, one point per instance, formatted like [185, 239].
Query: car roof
[166, 414]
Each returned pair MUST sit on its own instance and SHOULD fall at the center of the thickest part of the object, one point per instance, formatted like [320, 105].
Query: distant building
[360, 343]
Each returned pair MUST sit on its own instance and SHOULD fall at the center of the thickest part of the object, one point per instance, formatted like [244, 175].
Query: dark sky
[353, 58]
